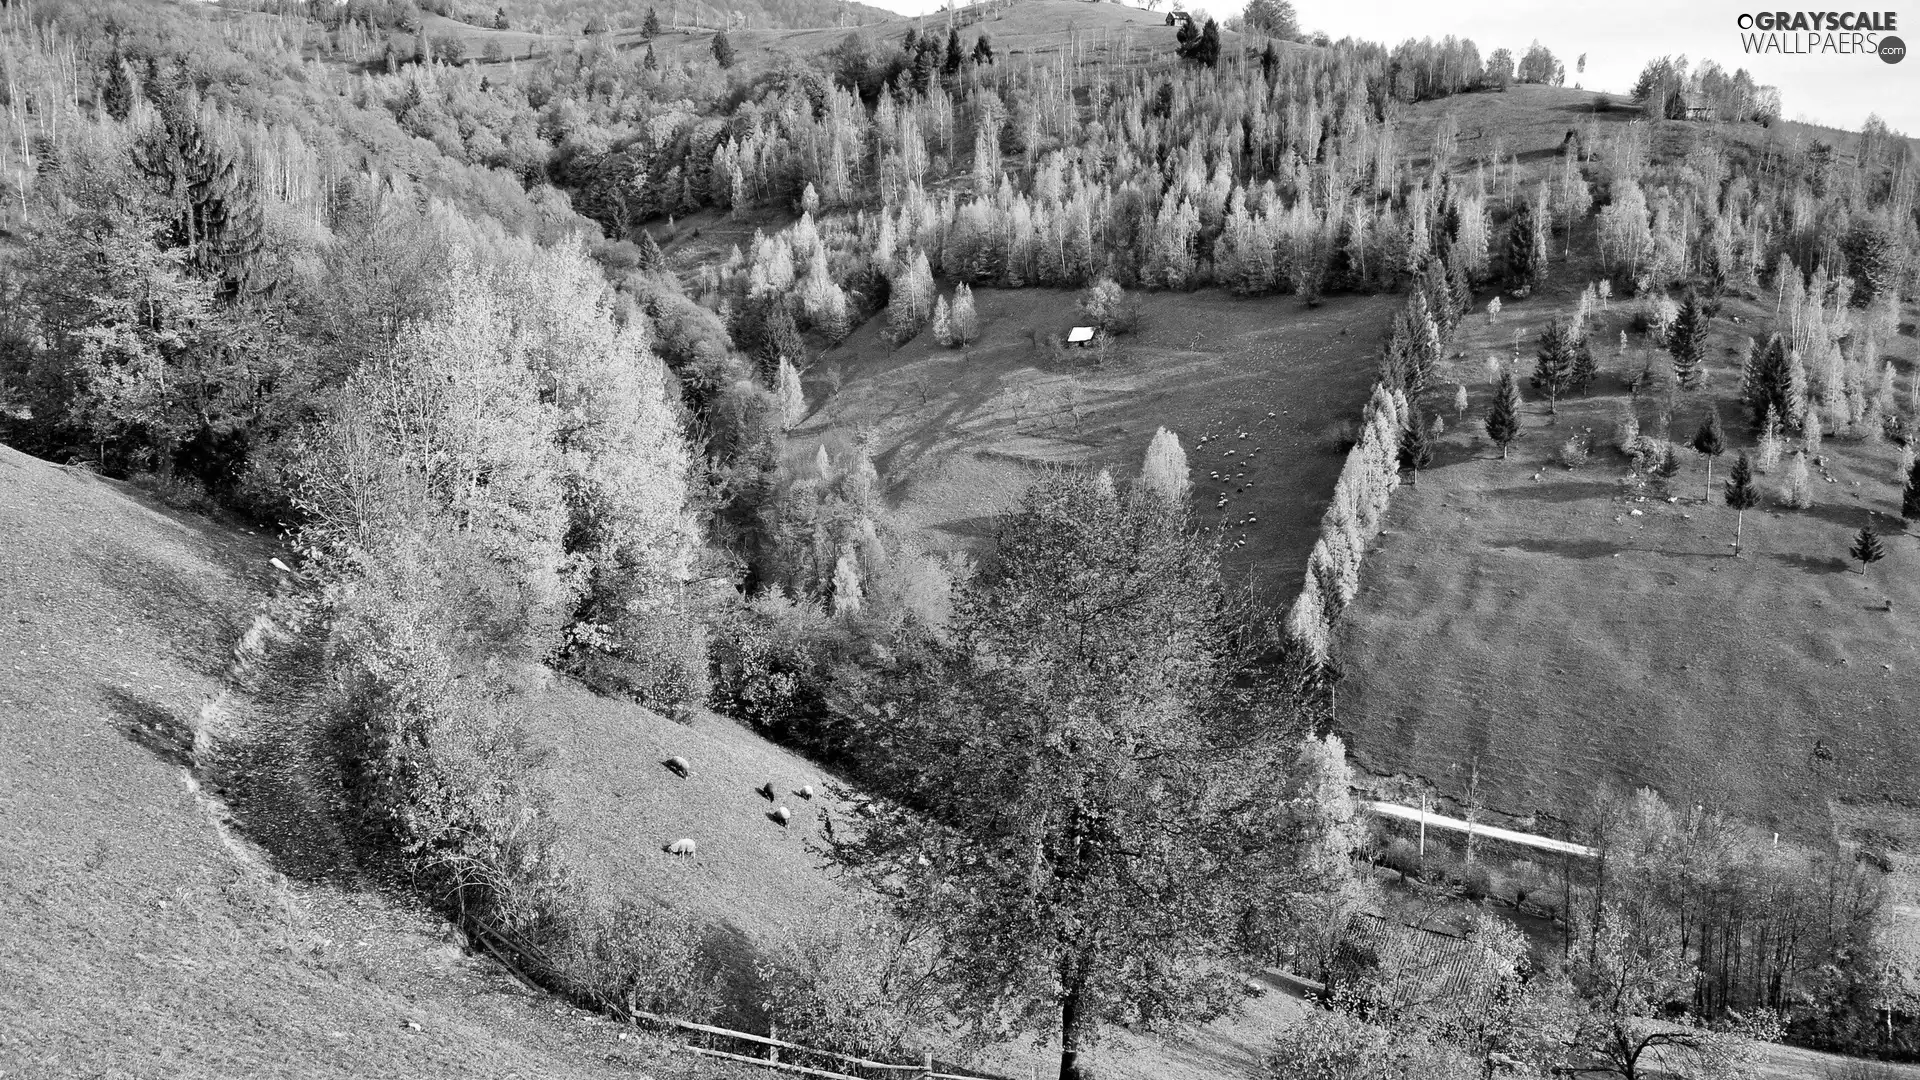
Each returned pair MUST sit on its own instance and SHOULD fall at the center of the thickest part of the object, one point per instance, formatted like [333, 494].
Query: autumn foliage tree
[1098, 661]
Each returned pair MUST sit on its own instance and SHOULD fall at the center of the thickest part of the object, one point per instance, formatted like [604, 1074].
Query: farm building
[1408, 969]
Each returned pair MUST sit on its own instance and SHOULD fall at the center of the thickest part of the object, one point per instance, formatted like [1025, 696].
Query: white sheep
[782, 815]
[684, 846]
[805, 792]
[679, 766]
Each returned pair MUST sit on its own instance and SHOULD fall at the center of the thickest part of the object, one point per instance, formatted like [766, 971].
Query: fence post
[926, 1061]
[773, 1032]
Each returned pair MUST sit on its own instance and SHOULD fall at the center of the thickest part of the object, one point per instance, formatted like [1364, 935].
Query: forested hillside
[530, 326]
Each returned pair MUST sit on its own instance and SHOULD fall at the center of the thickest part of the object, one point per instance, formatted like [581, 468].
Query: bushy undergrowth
[855, 983]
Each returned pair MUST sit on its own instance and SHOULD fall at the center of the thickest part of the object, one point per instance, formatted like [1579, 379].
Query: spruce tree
[651, 27]
[955, 58]
[982, 50]
[1710, 443]
[1910, 498]
[1523, 268]
[216, 212]
[1687, 341]
[1741, 496]
[1866, 549]
[1584, 369]
[118, 95]
[1416, 446]
[1554, 368]
[652, 62]
[1503, 418]
[723, 49]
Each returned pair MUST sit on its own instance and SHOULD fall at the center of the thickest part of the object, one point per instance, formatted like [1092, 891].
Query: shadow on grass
[1811, 564]
[1565, 491]
[1567, 549]
[730, 953]
[152, 726]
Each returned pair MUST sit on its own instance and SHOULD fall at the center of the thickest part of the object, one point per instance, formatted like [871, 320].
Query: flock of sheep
[779, 815]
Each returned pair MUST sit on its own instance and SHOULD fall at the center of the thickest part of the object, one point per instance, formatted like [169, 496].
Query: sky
[1837, 90]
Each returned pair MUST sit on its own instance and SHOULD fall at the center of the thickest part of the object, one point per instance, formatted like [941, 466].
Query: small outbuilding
[1080, 336]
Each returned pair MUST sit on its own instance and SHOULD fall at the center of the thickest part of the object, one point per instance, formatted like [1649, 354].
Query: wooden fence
[534, 969]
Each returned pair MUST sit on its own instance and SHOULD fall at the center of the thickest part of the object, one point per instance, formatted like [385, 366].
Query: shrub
[1338, 1045]
[1646, 452]
[1402, 855]
[771, 664]
[631, 954]
[1476, 879]
[1574, 452]
[852, 984]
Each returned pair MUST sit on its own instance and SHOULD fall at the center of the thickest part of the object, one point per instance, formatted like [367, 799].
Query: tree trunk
[1739, 526]
[1707, 496]
[1072, 1033]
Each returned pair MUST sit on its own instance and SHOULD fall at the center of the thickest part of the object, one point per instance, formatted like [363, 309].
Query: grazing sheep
[805, 792]
[765, 791]
[679, 767]
[780, 814]
[684, 846]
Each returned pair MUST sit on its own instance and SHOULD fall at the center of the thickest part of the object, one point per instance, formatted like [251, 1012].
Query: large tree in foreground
[1102, 811]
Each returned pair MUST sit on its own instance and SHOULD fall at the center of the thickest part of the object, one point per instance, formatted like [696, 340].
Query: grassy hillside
[147, 937]
[1558, 629]
[1032, 29]
[1258, 391]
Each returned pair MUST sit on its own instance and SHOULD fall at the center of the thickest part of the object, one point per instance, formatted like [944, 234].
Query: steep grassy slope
[1257, 390]
[145, 937]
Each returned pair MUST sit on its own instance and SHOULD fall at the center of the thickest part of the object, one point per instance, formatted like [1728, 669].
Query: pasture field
[1558, 628]
[1258, 390]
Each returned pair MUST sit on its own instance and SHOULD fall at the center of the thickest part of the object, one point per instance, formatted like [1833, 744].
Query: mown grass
[957, 433]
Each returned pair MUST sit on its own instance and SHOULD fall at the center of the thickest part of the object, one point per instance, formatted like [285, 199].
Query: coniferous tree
[1553, 369]
[954, 58]
[966, 324]
[1523, 264]
[1416, 446]
[1709, 443]
[652, 62]
[942, 322]
[216, 212]
[723, 49]
[1910, 497]
[1165, 471]
[1769, 381]
[1503, 417]
[1866, 548]
[792, 399]
[982, 50]
[1687, 342]
[650, 28]
[1741, 495]
[1583, 367]
[1203, 48]
[118, 95]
